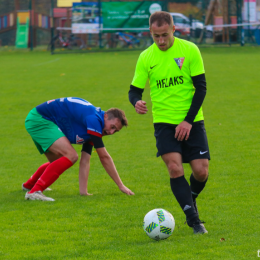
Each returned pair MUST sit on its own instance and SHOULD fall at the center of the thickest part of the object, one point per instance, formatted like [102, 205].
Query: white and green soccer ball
[158, 224]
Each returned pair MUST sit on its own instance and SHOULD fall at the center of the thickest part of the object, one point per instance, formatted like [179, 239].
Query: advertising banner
[128, 14]
[66, 3]
[22, 30]
[85, 17]
[250, 11]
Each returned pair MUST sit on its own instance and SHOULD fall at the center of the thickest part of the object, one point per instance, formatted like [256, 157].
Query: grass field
[108, 225]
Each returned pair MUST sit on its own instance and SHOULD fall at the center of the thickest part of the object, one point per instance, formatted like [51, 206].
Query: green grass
[108, 225]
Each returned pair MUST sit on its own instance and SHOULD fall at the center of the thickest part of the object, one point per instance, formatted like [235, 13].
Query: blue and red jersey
[77, 118]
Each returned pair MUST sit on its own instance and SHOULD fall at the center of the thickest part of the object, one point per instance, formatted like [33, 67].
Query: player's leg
[170, 149]
[198, 181]
[34, 123]
[199, 176]
[62, 156]
[197, 154]
[49, 139]
[179, 185]
[34, 178]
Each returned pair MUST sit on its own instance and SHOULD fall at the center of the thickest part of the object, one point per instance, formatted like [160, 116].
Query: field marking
[47, 62]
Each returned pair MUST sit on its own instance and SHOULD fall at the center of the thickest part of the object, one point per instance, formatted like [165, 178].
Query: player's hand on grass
[140, 107]
[182, 131]
[125, 190]
[85, 194]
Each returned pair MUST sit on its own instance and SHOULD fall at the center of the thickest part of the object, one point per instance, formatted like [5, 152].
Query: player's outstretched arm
[110, 168]
[84, 166]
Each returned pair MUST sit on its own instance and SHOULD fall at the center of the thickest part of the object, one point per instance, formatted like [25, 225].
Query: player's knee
[201, 174]
[175, 170]
[200, 170]
[73, 157]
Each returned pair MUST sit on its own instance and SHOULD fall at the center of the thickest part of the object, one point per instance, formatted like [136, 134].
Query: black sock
[196, 186]
[182, 193]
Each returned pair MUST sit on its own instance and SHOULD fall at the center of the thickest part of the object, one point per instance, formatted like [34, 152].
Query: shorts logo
[203, 152]
[179, 62]
[48, 102]
[79, 140]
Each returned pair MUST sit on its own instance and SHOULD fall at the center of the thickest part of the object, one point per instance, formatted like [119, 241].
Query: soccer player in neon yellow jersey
[177, 81]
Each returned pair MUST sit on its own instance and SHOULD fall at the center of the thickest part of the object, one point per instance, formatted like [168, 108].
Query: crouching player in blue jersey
[58, 123]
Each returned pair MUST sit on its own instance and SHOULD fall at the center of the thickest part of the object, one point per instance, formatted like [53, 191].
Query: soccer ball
[158, 224]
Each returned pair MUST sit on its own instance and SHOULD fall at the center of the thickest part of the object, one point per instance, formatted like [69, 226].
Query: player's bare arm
[84, 166]
[110, 168]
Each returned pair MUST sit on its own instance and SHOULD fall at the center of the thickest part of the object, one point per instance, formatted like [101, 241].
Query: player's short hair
[161, 18]
[117, 113]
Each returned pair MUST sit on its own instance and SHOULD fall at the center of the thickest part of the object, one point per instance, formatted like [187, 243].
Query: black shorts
[196, 147]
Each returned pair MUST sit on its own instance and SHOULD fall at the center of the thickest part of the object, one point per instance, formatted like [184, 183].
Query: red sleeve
[94, 133]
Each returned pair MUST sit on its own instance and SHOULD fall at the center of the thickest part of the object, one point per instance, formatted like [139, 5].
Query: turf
[108, 225]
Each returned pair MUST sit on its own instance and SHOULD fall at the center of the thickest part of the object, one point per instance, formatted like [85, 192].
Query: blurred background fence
[65, 25]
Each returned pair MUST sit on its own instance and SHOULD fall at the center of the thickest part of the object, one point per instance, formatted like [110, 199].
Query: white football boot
[37, 195]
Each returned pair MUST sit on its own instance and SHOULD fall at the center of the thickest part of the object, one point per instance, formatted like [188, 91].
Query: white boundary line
[231, 25]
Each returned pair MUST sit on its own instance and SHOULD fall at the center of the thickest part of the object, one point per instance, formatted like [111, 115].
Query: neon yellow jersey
[169, 73]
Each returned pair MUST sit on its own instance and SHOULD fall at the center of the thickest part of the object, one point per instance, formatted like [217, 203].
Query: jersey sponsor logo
[79, 140]
[179, 62]
[48, 102]
[166, 83]
[151, 67]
